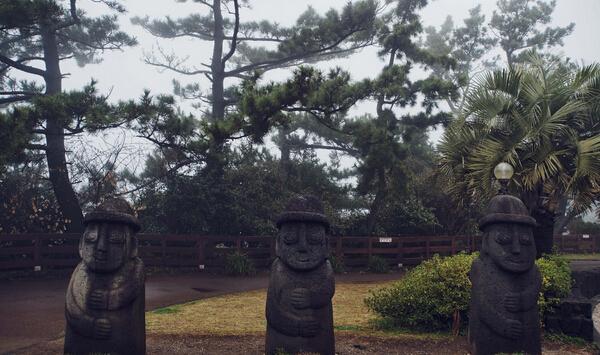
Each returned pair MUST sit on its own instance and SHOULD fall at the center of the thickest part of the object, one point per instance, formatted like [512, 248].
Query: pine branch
[22, 67]
[9, 100]
[276, 63]
[235, 34]
[36, 146]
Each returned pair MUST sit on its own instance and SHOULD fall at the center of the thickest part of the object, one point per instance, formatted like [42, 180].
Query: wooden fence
[41, 251]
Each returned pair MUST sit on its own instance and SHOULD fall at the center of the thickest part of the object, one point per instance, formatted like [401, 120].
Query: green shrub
[337, 264]
[556, 281]
[428, 295]
[432, 293]
[238, 264]
[378, 265]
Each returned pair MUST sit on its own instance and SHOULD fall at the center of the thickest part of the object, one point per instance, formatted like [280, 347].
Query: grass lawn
[243, 313]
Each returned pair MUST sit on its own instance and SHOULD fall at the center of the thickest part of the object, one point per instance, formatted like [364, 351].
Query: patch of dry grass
[243, 313]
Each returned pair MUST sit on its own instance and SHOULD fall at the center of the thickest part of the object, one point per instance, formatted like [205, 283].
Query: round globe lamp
[503, 173]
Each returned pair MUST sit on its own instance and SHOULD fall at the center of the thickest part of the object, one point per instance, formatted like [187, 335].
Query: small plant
[238, 264]
[378, 265]
[337, 265]
[429, 296]
[556, 281]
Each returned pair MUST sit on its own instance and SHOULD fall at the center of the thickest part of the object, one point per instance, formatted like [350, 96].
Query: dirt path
[346, 344]
[32, 311]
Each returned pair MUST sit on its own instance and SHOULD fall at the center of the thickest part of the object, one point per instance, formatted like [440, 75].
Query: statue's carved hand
[512, 302]
[98, 299]
[300, 298]
[309, 328]
[102, 328]
[514, 329]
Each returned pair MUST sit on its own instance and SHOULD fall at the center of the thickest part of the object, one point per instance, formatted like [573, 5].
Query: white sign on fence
[385, 240]
[585, 236]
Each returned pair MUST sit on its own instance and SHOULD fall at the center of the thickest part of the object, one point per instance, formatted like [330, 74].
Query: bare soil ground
[346, 344]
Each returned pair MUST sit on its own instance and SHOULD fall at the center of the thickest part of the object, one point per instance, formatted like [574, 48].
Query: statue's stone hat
[113, 210]
[304, 208]
[506, 209]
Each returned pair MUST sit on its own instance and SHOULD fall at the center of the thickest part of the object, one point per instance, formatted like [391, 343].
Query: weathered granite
[299, 311]
[105, 298]
[503, 314]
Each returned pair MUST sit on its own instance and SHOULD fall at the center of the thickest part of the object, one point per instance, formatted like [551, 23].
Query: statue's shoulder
[476, 268]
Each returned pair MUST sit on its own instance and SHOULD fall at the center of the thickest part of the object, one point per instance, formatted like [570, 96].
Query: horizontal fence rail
[42, 251]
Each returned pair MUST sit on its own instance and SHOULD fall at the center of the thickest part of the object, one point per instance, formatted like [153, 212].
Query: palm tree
[544, 119]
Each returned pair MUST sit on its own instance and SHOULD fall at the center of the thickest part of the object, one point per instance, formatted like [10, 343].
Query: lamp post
[503, 173]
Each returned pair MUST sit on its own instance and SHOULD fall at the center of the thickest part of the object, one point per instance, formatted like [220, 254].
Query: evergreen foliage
[48, 32]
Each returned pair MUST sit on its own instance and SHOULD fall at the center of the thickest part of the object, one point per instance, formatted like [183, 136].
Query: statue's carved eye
[503, 239]
[525, 239]
[289, 237]
[91, 234]
[315, 235]
[116, 238]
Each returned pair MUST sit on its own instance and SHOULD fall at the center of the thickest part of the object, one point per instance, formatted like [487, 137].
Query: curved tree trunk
[55, 139]
[543, 233]
[377, 203]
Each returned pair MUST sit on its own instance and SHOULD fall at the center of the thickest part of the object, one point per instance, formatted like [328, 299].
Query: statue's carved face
[105, 246]
[302, 245]
[510, 246]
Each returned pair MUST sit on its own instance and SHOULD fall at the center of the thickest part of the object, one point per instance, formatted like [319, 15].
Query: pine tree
[35, 37]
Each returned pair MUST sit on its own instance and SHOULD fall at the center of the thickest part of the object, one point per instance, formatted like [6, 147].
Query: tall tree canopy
[35, 36]
[242, 48]
[515, 27]
[380, 143]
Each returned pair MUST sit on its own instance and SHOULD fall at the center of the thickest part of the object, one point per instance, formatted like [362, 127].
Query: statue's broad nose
[515, 247]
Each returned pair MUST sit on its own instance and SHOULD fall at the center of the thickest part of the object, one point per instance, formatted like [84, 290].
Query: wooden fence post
[37, 254]
[163, 245]
[339, 252]
[370, 246]
[427, 247]
[238, 244]
[201, 255]
[453, 245]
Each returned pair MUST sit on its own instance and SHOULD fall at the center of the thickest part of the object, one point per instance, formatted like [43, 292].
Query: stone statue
[299, 311]
[506, 283]
[105, 298]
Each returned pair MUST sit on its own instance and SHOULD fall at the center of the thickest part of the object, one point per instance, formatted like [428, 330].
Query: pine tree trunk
[55, 139]
[215, 163]
[285, 161]
[377, 202]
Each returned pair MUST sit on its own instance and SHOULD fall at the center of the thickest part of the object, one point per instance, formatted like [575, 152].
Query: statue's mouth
[516, 261]
[100, 257]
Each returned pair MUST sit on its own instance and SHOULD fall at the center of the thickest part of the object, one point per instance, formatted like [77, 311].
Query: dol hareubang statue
[105, 298]
[299, 311]
[506, 283]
